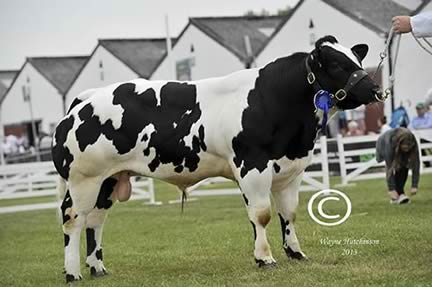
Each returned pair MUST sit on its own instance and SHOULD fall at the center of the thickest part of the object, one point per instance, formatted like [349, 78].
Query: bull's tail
[61, 193]
[183, 199]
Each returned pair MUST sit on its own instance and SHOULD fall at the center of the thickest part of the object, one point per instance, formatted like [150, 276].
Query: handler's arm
[380, 153]
[421, 24]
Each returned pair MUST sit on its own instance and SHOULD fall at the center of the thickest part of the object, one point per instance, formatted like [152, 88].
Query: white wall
[211, 58]
[46, 101]
[90, 76]
[413, 76]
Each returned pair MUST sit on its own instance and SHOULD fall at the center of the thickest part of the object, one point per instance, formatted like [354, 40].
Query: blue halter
[323, 100]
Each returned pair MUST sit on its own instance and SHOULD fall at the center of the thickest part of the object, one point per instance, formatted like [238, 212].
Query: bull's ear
[360, 50]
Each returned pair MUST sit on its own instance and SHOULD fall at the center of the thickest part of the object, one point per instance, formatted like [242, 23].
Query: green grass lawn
[211, 244]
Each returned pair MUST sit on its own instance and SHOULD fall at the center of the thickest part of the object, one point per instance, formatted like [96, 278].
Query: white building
[352, 22]
[116, 60]
[39, 87]
[216, 46]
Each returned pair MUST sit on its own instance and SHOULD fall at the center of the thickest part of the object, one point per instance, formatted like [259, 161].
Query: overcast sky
[72, 27]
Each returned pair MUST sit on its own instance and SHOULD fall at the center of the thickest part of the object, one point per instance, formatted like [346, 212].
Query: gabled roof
[3, 90]
[375, 15]
[59, 71]
[141, 55]
[6, 76]
[230, 32]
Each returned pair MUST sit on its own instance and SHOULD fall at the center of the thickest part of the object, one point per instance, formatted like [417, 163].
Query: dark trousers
[401, 176]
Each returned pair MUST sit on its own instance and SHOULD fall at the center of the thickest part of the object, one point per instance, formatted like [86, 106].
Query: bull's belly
[208, 166]
[95, 165]
[289, 170]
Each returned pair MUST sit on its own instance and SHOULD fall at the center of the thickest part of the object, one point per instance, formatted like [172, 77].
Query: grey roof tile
[230, 32]
[3, 90]
[374, 14]
[141, 55]
[8, 75]
[59, 71]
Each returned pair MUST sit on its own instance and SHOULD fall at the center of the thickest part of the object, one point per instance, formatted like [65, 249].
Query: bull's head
[338, 70]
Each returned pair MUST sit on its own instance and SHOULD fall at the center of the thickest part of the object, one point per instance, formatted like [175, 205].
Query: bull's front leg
[286, 202]
[256, 189]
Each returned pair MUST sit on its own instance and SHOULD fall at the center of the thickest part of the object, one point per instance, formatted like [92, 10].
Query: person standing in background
[420, 25]
[423, 120]
[398, 148]
[382, 125]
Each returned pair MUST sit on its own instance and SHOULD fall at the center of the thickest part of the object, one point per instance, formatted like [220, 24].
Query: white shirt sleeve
[421, 24]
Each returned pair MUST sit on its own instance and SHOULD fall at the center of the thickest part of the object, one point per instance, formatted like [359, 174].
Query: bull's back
[154, 123]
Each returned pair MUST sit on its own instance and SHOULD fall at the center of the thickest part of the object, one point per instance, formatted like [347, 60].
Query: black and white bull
[256, 127]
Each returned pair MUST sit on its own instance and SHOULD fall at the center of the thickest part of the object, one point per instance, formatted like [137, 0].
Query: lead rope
[393, 72]
[421, 45]
[384, 55]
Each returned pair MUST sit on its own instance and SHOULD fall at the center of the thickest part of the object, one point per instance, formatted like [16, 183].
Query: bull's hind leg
[256, 187]
[286, 201]
[72, 225]
[77, 204]
[94, 228]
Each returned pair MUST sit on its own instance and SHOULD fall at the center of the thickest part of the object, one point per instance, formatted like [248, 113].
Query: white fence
[359, 163]
[356, 161]
[30, 180]
[312, 180]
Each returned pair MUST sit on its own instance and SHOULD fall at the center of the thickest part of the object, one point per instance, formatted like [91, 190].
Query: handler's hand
[402, 24]
[413, 191]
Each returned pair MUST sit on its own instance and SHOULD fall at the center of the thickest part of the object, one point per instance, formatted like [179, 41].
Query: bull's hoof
[298, 255]
[265, 265]
[71, 278]
[97, 274]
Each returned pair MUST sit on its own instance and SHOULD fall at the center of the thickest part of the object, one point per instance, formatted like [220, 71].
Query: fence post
[151, 190]
[341, 154]
[418, 139]
[324, 162]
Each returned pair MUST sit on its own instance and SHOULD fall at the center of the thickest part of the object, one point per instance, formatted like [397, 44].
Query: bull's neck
[284, 82]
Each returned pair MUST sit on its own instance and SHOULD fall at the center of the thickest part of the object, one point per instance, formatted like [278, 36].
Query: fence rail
[356, 161]
[39, 179]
